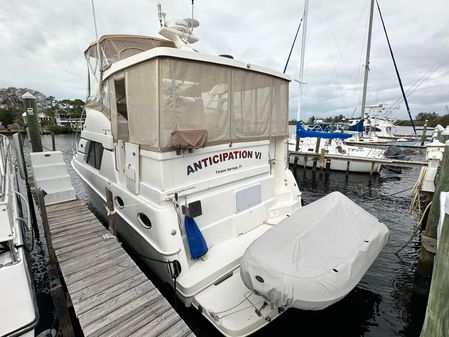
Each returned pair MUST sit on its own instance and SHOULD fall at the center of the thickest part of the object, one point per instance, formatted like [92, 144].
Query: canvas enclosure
[166, 94]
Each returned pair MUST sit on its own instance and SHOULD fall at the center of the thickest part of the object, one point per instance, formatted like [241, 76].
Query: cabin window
[122, 109]
[94, 154]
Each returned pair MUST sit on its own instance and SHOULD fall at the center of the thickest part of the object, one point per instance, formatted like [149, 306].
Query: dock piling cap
[28, 96]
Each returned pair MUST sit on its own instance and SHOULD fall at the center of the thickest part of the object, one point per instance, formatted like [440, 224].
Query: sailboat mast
[368, 49]
[303, 49]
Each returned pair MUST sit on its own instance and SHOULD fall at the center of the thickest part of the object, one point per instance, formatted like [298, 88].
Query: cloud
[43, 44]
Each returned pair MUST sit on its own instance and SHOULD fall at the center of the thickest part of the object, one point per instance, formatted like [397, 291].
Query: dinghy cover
[316, 256]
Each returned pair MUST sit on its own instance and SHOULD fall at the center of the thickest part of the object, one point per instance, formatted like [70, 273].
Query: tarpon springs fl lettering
[221, 157]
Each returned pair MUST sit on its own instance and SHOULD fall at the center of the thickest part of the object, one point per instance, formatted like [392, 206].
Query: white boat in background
[343, 152]
[18, 309]
[339, 153]
[378, 126]
[191, 149]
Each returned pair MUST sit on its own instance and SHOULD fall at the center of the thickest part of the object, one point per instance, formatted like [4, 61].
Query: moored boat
[191, 149]
[18, 313]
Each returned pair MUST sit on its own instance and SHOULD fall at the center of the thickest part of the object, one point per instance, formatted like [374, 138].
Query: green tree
[422, 116]
[6, 116]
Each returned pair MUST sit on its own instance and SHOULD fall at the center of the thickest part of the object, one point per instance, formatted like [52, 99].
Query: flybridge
[222, 157]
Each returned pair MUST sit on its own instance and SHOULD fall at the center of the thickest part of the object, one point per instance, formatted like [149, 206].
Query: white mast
[368, 49]
[301, 64]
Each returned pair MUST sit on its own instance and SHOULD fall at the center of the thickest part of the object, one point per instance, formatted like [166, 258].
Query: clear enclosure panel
[251, 104]
[279, 114]
[93, 67]
[142, 103]
[194, 95]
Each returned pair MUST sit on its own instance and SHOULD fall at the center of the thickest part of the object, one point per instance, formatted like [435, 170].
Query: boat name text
[222, 157]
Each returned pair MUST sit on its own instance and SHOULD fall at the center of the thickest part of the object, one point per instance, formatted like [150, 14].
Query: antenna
[191, 27]
[160, 15]
[180, 32]
[95, 25]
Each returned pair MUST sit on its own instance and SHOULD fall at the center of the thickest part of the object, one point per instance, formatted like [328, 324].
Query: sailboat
[342, 153]
[379, 128]
[191, 149]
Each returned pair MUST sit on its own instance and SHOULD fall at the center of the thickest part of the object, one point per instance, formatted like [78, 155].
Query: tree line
[11, 110]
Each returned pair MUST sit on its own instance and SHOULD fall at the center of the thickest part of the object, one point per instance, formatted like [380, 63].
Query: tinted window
[94, 154]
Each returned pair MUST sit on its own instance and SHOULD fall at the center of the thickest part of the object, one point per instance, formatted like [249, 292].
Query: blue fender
[197, 244]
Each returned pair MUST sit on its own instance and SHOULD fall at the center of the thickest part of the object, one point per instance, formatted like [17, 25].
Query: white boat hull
[341, 155]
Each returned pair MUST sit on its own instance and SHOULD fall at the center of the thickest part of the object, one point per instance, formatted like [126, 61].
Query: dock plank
[111, 296]
[121, 261]
[70, 223]
[158, 325]
[100, 278]
[92, 251]
[77, 234]
[123, 313]
[95, 287]
[106, 294]
[85, 259]
[106, 308]
[64, 205]
[138, 321]
[178, 329]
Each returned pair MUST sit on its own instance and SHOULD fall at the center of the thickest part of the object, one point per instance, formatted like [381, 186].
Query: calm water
[389, 301]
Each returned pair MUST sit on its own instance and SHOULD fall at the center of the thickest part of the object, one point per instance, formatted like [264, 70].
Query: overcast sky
[43, 43]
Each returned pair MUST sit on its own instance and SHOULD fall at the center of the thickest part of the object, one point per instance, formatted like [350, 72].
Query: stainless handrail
[4, 153]
[27, 220]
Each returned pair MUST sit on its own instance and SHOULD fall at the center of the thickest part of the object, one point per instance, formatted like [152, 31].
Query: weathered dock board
[110, 295]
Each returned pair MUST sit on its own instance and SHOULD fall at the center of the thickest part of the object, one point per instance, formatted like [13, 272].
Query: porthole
[144, 220]
[119, 202]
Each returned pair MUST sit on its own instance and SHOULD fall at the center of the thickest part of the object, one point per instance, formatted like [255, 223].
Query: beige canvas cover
[114, 48]
[188, 138]
[167, 93]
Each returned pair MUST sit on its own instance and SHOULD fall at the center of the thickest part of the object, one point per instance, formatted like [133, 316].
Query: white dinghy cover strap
[316, 256]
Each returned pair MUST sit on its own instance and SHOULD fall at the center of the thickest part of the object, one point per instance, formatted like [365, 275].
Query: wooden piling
[322, 160]
[53, 143]
[371, 171]
[426, 257]
[29, 102]
[423, 136]
[437, 312]
[317, 149]
[112, 219]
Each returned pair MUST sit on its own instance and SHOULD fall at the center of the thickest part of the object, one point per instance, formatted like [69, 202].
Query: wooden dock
[383, 161]
[110, 295]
